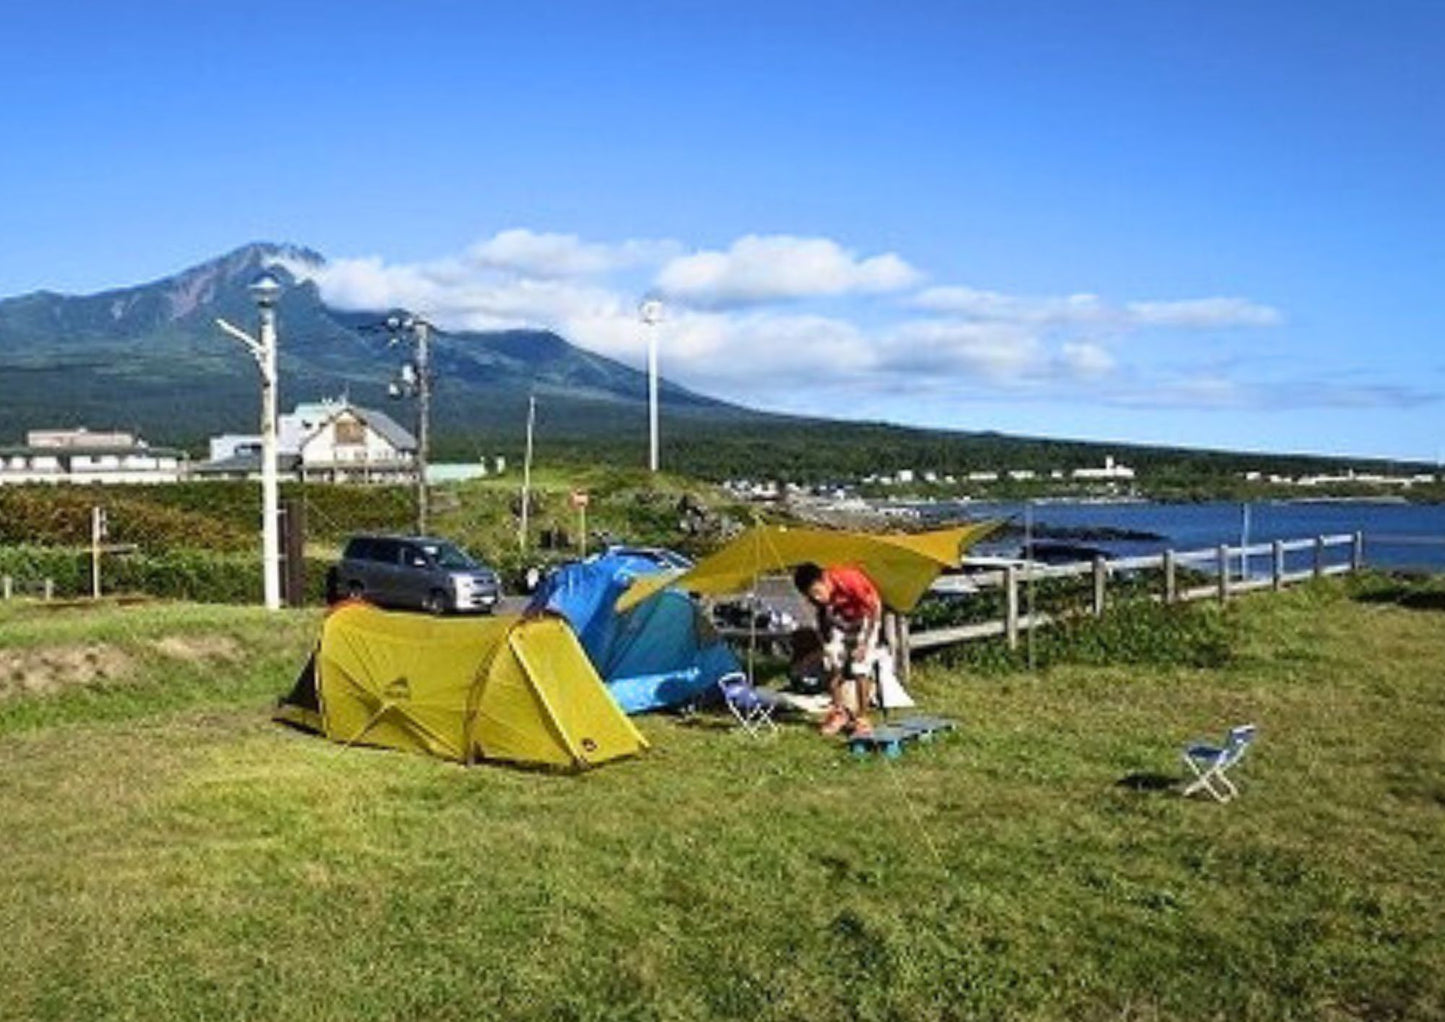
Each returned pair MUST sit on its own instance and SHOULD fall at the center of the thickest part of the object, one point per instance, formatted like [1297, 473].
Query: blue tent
[660, 653]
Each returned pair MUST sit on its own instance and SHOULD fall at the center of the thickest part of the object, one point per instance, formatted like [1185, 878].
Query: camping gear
[504, 688]
[752, 707]
[664, 653]
[901, 565]
[1211, 763]
[891, 739]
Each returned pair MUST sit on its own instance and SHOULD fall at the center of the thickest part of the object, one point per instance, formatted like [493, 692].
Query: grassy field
[170, 854]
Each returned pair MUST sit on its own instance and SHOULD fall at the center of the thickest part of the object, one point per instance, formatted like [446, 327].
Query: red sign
[580, 498]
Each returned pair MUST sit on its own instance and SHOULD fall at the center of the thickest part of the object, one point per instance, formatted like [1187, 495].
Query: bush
[60, 516]
[1138, 632]
[203, 576]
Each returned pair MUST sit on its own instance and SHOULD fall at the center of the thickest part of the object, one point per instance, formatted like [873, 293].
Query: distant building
[1112, 471]
[82, 456]
[324, 441]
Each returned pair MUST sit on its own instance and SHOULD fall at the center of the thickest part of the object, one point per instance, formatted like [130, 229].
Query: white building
[1112, 471]
[324, 441]
[81, 456]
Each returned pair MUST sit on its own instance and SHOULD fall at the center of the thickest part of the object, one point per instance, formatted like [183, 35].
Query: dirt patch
[199, 647]
[47, 670]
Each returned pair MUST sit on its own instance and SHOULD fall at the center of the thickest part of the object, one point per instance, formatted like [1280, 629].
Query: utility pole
[265, 292]
[415, 379]
[651, 312]
[527, 473]
[423, 425]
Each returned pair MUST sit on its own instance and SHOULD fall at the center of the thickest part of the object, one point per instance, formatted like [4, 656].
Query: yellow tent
[500, 688]
[901, 565]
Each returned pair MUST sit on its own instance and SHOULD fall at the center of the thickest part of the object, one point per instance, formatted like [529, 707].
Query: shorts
[839, 650]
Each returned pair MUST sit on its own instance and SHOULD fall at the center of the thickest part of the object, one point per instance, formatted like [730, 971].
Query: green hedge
[201, 516]
[200, 575]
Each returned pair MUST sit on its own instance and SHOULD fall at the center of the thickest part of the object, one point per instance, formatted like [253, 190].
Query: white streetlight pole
[527, 474]
[651, 312]
[265, 291]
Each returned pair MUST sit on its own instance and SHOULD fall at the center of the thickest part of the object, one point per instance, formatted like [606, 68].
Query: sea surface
[1396, 535]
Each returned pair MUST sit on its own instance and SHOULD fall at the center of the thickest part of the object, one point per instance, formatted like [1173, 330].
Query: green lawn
[169, 853]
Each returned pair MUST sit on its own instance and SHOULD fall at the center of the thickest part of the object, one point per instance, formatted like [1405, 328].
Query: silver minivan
[415, 572]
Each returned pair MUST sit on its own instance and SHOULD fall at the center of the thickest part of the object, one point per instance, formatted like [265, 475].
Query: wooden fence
[1220, 564]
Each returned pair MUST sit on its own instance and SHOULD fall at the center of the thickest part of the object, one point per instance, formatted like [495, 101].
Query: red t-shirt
[855, 597]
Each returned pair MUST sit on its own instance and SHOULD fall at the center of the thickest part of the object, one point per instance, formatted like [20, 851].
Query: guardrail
[1283, 557]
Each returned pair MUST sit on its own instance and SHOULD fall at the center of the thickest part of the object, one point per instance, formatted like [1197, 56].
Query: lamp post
[651, 313]
[265, 291]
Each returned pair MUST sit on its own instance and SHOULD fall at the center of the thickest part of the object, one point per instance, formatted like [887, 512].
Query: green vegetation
[170, 853]
[198, 540]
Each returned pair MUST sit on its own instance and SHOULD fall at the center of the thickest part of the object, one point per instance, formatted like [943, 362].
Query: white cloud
[1204, 313]
[533, 254]
[992, 305]
[728, 332]
[998, 353]
[758, 269]
[1085, 360]
[1091, 310]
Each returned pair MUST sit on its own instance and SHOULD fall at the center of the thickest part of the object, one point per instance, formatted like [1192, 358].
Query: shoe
[836, 721]
[862, 728]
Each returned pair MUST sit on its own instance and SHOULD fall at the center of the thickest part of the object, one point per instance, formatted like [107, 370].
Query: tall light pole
[416, 378]
[265, 291]
[527, 474]
[651, 313]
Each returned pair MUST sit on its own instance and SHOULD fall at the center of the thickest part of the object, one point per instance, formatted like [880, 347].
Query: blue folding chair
[752, 707]
[1211, 763]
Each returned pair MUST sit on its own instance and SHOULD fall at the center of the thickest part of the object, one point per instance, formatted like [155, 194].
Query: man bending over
[850, 614]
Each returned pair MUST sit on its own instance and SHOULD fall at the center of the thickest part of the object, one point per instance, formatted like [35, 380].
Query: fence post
[293, 552]
[97, 533]
[1277, 574]
[1011, 605]
[1222, 558]
[1101, 579]
[7, 587]
[1319, 556]
[1171, 580]
[1357, 552]
[49, 589]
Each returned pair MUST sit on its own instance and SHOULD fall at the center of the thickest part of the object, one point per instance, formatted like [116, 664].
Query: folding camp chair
[752, 709]
[1211, 763]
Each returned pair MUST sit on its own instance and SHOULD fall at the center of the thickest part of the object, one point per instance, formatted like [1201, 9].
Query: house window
[350, 433]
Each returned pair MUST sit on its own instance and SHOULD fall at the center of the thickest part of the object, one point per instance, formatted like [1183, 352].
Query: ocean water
[1396, 535]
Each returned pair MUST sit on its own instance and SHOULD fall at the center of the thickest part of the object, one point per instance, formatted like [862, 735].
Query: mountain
[150, 358]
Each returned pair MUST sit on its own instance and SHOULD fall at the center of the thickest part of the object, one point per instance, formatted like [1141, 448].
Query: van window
[358, 549]
[413, 557]
[448, 556]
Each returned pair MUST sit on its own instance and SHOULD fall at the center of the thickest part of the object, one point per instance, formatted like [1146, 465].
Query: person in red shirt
[850, 615]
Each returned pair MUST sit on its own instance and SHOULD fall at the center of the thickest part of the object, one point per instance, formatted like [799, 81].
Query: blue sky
[1218, 224]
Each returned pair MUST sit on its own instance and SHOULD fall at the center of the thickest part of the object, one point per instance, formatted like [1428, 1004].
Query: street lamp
[651, 313]
[265, 292]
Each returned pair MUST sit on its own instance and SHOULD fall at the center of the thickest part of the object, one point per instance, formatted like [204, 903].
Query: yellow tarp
[499, 688]
[902, 565]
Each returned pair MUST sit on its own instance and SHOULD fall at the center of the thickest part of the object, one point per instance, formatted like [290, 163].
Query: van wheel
[355, 590]
[435, 602]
